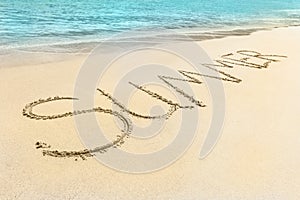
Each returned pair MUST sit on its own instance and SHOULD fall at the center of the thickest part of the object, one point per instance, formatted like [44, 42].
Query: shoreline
[82, 47]
[60, 52]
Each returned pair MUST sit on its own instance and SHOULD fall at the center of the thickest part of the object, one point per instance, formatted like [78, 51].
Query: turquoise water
[25, 23]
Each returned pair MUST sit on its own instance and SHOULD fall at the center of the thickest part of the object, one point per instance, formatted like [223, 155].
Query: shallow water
[31, 23]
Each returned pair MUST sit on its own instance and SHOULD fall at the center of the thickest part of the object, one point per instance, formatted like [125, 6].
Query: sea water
[28, 23]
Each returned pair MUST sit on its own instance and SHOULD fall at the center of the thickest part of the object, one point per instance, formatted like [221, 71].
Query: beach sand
[257, 156]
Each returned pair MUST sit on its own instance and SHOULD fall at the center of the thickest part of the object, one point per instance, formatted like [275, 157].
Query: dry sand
[257, 156]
